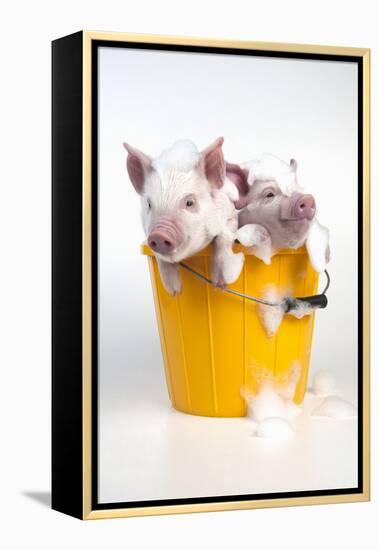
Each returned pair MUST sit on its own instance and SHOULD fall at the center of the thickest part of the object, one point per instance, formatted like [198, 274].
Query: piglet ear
[213, 164]
[239, 177]
[317, 245]
[138, 165]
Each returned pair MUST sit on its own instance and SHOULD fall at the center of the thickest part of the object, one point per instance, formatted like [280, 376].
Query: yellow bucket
[212, 341]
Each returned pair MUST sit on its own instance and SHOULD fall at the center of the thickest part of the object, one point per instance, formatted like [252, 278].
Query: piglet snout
[298, 207]
[165, 237]
[304, 207]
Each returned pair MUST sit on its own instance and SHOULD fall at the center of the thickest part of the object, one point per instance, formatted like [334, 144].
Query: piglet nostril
[161, 241]
[305, 207]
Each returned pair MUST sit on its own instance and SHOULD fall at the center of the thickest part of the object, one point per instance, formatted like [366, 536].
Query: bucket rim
[206, 252]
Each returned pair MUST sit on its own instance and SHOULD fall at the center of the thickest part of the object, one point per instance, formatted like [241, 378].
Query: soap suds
[270, 405]
[323, 382]
[283, 383]
[335, 407]
[266, 404]
[301, 309]
[286, 383]
[271, 410]
[317, 245]
[293, 411]
[269, 168]
[272, 316]
[182, 155]
[275, 428]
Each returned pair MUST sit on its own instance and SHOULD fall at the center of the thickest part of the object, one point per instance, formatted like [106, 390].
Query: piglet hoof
[262, 235]
[252, 234]
[233, 267]
[170, 277]
[173, 287]
[263, 252]
[228, 270]
[218, 280]
[219, 283]
[246, 235]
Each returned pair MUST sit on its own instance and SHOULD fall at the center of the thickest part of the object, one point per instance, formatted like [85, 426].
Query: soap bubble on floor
[335, 407]
[323, 382]
[270, 404]
[271, 410]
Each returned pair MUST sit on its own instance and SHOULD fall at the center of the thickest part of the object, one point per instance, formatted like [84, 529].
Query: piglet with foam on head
[187, 203]
[275, 213]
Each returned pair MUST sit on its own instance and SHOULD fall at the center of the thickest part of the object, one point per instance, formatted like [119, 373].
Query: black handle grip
[319, 301]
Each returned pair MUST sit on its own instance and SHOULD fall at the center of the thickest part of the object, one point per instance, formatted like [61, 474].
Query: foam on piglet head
[270, 167]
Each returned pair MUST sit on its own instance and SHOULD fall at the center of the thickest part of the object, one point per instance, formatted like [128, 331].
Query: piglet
[187, 203]
[275, 213]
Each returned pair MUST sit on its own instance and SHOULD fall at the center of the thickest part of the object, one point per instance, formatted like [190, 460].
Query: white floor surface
[150, 451]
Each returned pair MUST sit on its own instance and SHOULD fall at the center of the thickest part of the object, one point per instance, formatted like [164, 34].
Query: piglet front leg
[226, 265]
[255, 236]
[170, 277]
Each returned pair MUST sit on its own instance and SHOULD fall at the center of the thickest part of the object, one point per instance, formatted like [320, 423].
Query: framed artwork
[210, 275]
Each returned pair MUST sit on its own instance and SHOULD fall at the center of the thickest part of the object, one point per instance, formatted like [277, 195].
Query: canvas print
[227, 247]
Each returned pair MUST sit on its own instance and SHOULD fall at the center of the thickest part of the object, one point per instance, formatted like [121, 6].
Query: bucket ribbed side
[213, 343]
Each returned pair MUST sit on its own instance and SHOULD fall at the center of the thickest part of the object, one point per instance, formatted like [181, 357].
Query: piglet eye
[189, 203]
[148, 204]
[269, 195]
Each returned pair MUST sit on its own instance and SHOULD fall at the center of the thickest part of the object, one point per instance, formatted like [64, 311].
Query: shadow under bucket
[212, 342]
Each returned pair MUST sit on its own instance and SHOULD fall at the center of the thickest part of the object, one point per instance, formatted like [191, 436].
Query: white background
[25, 275]
[151, 99]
